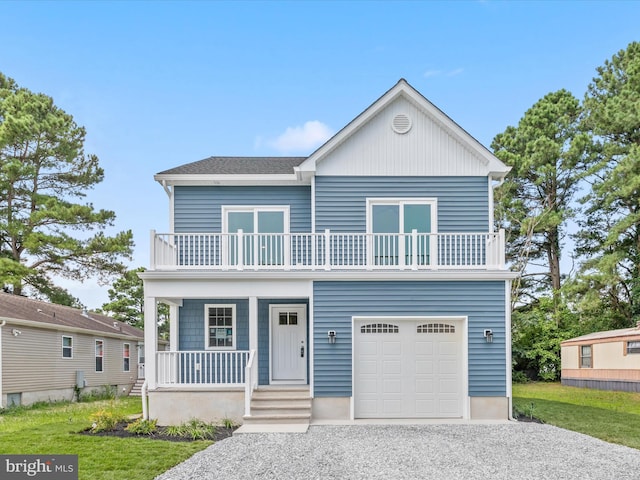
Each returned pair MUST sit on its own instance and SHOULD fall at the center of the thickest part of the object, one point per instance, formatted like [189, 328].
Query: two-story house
[363, 281]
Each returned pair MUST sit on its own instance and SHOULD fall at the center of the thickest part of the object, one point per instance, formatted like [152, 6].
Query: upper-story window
[390, 223]
[262, 228]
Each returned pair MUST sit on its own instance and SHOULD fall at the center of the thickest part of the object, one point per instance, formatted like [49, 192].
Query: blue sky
[159, 84]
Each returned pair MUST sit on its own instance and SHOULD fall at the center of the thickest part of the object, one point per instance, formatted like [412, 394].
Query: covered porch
[224, 344]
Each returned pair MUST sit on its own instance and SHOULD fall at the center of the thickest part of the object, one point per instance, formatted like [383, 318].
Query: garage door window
[379, 328]
[436, 328]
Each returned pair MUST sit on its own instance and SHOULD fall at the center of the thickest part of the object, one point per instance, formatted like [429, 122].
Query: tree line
[572, 198]
[572, 201]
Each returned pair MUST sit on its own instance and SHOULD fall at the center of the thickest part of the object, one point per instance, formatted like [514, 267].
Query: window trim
[95, 351]
[626, 347]
[126, 351]
[234, 331]
[400, 202]
[581, 357]
[226, 209]
[70, 347]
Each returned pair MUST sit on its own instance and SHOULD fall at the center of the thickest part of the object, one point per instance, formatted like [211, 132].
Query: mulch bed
[120, 431]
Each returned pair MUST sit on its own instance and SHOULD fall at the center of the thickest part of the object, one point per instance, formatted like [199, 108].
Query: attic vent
[401, 123]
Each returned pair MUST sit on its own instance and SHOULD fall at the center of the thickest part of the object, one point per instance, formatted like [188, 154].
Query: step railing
[251, 375]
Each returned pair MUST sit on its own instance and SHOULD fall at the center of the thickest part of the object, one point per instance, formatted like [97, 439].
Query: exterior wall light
[488, 335]
[331, 335]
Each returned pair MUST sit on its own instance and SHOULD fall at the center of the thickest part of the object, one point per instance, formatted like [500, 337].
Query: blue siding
[191, 323]
[463, 202]
[264, 349]
[198, 208]
[483, 302]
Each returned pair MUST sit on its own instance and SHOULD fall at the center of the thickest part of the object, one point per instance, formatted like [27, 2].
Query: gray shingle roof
[238, 166]
[23, 308]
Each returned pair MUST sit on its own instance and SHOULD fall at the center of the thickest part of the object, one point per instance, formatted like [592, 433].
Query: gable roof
[622, 332]
[494, 167]
[237, 166]
[51, 315]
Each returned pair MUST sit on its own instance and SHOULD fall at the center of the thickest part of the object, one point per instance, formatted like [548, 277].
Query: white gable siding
[428, 149]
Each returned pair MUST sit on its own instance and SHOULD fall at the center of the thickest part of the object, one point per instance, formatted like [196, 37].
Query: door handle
[302, 352]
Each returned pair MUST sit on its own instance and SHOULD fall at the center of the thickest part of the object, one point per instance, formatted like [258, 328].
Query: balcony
[327, 251]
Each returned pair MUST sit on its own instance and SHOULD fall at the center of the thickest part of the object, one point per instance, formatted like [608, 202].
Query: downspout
[2, 324]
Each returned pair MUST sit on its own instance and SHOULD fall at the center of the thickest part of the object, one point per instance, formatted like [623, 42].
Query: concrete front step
[300, 418]
[284, 405]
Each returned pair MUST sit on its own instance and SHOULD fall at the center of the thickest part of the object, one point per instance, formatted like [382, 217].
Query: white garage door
[408, 368]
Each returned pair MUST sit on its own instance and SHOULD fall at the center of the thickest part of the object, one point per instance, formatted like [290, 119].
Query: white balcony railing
[202, 368]
[327, 251]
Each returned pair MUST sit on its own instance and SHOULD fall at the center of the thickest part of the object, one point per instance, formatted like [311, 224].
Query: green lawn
[53, 430]
[610, 416]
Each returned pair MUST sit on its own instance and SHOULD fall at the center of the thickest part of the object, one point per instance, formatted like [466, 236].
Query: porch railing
[327, 251]
[251, 375]
[202, 368]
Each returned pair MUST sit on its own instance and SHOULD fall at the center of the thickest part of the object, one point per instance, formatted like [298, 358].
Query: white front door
[289, 349]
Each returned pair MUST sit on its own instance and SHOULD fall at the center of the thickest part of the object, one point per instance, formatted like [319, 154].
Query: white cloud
[455, 72]
[432, 73]
[302, 139]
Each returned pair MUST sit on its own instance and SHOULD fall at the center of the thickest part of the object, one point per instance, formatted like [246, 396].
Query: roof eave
[228, 179]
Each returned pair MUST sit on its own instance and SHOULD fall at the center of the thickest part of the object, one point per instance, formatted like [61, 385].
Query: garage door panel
[407, 369]
[391, 387]
[391, 348]
[448, 386]
[448, 367]
[424, 367]
[368, 348]
[424, 348]
[424, 386]
[369, 367]
[391, 367]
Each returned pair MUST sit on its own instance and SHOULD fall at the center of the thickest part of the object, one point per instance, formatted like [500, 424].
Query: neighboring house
[366, 278]
[604, 360]
[46, 350]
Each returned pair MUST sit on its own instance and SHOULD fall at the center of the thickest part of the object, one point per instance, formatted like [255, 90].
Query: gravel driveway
[439, 452]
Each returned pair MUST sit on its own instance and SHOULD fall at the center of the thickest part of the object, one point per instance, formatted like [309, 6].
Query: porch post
[253, 323]
[253, 328]
[150, 341]
[174, 339]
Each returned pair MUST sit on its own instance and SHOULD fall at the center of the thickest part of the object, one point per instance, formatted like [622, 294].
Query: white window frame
[226, 209]
[401, 202]
[234, 331]
[255, 209]
[126, 350]
[95, 351]
[70, 347]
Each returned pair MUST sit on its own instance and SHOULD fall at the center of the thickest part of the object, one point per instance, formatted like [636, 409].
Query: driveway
[440, 452]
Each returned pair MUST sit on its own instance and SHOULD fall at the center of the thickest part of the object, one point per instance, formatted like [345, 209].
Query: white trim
[63, 347]
[273, 307]
[233, 326]
[253, 328]
[123, 357]
[463, 320]
[244, 179]
[172, 198]
[402, 201]
[174, 331]
[311, 345]
[492, 227]
[313, 204]
[95, 354]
